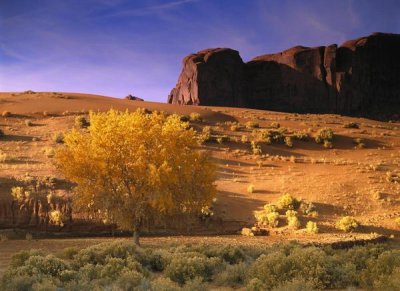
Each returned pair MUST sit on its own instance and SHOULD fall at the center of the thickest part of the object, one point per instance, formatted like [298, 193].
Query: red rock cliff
[360, 77]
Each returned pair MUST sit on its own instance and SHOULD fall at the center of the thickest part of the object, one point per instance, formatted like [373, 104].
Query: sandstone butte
[360, 77]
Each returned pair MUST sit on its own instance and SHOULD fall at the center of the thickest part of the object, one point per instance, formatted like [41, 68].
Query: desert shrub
[318, 267]
[256, 284]
[324, 135]
[244, 139]
[297, 284]
[397, 221]
[328, 144]
[28, 122]
[28, 236]
[130, 280]
[58, 137]
[196, 284]
[287, 201]
[49, 152]
[68, 253]
[266, 218]
[251, 125]
[288, 141]
[301, 135]
[230, 254]
[81, 122]
[359, 142]
[255, 148]
[250, 189]
[293, 222]
[291, 213]
[347, 224]
[351, 125]
[164, 284]
[234, 127]
[309, 209]
[233, 275]
[246, 231]
[195, 117]
[275, 125]
[312, 227]
[183, 268]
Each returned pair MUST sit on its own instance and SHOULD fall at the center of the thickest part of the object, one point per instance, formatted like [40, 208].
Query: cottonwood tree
[130, 166]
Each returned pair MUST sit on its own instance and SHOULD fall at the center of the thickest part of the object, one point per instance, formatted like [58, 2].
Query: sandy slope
[340, 181]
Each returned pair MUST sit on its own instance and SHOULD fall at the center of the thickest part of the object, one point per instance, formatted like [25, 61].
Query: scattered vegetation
[58, 137]
[122, 266]
[28, 122]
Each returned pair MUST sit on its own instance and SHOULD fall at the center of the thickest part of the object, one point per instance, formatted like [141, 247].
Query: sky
[121, 47]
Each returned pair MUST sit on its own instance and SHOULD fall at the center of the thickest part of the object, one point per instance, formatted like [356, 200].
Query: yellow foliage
[131, 166]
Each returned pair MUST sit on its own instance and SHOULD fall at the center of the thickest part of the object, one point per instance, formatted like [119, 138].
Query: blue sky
[117, 47]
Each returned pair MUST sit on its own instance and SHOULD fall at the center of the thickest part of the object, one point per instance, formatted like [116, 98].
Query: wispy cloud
[151, 9]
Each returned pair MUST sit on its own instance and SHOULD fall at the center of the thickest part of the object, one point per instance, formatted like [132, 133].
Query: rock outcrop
[133, 98]
[360, 77]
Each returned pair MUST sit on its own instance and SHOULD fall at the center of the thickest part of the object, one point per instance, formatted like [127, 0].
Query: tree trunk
[136, 237]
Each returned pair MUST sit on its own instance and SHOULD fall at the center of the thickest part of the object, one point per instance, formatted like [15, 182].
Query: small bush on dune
[195, 117]
[324, 135]
[347, 224]
[233, 275]
[287, 201]
[312, 227]
[81, 122]
[251, 124]
[28, 122]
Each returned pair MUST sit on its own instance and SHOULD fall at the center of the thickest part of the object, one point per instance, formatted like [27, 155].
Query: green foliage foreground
[123, 266]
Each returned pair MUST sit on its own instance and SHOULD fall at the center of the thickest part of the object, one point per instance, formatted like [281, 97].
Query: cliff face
[361, 77]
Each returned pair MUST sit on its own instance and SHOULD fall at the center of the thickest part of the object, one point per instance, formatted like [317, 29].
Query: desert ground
[358, 176]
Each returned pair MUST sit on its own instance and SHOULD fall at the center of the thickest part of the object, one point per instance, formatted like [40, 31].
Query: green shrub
[287, 201]
[347, 224]
[324, 135]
